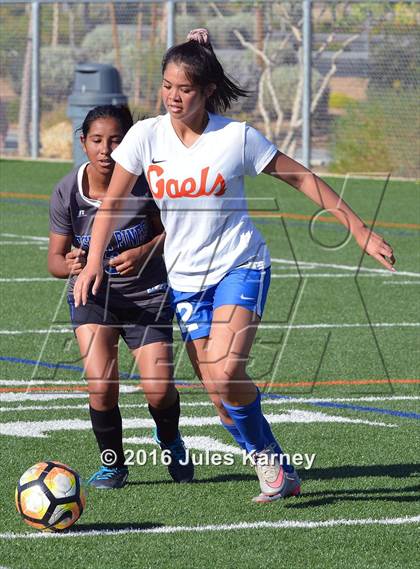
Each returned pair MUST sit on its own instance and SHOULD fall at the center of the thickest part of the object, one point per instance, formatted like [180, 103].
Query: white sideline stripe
[132, 389]
[273, 275]
[15, 397]
[26, 408]
[28, 279]
[338, 276]
[261, 327]
[124, 388]
[341, 325]
[318, 276]
[401, 282]
[32, 237]
[46, 331]
[42, 429]
[36, 243]
[30, 382]
[266, 402]
[30, 396]
[312, 265]
[281, 524]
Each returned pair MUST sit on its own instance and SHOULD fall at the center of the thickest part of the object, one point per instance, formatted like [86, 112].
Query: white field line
[261, 327]
[129, 389]
[29, 279]
[25, 408]
[42, 429]
[401, 282]
[341, 325]
[301, 264]
[280, 525]
[273, 276]
[14, 243]
[17, 236]
[30, 396]
[363, 271]
[40, 382]
[265, 402]
[42, 331]
[338, 276]
[313, 265]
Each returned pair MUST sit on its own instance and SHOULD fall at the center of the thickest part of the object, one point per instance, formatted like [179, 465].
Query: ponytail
[203, 68]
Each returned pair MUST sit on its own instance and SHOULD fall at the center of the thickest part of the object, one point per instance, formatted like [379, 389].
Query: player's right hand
[75, 261]
[90, 274]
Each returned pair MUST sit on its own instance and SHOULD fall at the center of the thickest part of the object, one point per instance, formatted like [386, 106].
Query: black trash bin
[94, 84]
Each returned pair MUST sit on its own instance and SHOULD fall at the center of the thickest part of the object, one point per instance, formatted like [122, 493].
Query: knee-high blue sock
[268, 435]
[249, 422]
[234, 431]
[271, 440]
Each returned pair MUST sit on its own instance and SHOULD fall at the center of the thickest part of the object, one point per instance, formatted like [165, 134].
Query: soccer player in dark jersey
[131, 302]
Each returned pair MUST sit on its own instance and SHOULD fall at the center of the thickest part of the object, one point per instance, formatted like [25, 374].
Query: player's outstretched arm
[122, 182]
[304, 180]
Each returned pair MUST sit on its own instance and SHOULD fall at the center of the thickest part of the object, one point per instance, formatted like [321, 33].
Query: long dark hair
[120, 113]
[203, 68]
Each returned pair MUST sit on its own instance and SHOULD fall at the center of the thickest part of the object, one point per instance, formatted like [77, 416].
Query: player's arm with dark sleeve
[130, 262]
[63, 261]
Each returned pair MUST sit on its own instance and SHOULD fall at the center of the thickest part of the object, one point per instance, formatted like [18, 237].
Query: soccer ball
[49, 496]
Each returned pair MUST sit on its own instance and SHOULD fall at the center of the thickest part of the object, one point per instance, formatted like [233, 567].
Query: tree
[291, 18]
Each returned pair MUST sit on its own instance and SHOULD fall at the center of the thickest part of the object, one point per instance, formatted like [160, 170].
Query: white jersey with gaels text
[200, 192]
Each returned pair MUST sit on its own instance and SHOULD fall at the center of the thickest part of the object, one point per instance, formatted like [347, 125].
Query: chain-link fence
[364, 73]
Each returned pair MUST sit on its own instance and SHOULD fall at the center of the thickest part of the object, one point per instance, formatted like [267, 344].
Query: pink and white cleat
[275, 482]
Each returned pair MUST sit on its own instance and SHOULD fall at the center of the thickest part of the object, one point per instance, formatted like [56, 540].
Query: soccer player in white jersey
[218, 264]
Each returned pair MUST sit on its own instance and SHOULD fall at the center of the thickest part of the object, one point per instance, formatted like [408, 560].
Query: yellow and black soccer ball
[49, 496]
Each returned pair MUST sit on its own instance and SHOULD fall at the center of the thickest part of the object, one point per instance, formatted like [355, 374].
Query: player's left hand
[129, 263]
[376, 246]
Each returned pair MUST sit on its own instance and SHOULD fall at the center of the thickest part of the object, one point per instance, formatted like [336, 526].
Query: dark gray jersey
[72, 213]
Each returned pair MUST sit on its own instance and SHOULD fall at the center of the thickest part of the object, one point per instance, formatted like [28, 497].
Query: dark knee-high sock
[167, 421]
[107, 426]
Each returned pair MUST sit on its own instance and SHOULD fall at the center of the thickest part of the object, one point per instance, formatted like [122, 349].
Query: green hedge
[378, 135]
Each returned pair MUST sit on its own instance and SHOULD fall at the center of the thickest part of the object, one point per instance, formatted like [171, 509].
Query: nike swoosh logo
[278, 481]
[247, 297]
[157, 161]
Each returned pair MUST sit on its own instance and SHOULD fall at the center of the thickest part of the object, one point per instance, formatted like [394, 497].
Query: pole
[170, 36]
[35, 80]
[307, 76]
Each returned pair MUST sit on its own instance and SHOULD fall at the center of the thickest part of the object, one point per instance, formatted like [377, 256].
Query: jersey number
[185, 309]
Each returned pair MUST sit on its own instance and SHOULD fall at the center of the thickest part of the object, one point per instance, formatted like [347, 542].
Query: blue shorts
[240, 287]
